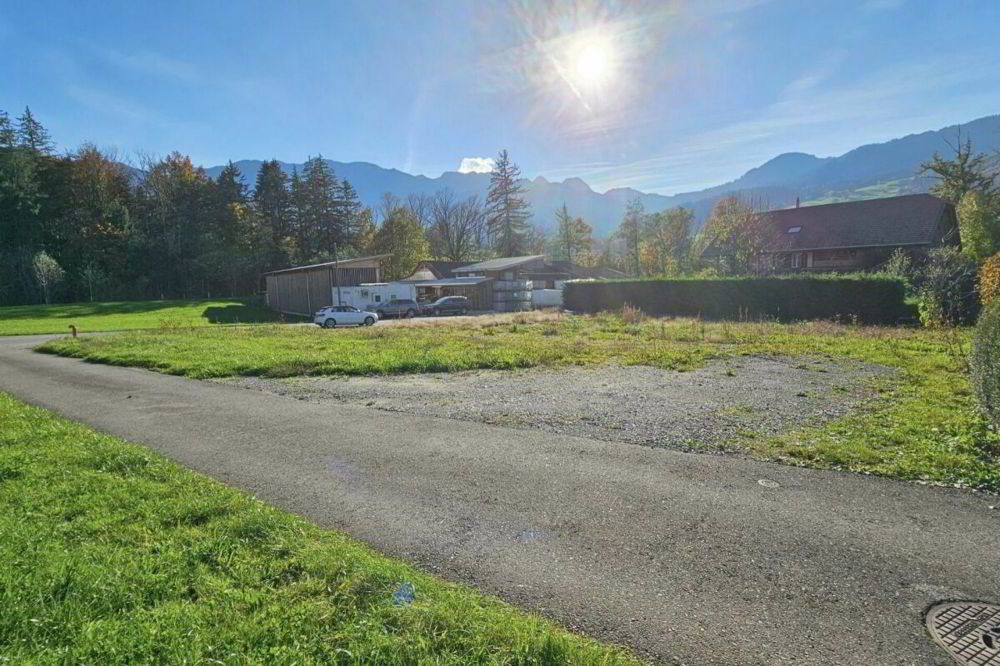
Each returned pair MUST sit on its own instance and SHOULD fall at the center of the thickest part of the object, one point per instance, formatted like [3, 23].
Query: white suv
[344, 315]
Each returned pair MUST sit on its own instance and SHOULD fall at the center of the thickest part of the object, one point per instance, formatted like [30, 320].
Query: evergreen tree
[350, 208]
[507, 212]
[272, 203]
[300, 249]
[31, 134]
[8, 136]
[321, 215]
[231, 220]
[573, 235]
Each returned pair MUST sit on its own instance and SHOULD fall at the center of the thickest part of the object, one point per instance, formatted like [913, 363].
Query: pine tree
[297, 208]
[321, 214]
[8, 136]
[507, 211]
[350, 211]
[31, 134]
[272, 202]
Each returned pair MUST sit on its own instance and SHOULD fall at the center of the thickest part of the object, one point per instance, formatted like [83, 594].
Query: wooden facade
[304, 290]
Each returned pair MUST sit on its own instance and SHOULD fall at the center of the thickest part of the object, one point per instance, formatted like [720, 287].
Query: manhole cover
[968, 630]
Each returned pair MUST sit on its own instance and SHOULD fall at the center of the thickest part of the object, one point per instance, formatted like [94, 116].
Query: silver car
[344, 315]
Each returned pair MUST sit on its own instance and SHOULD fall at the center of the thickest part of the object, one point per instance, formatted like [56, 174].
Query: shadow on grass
[240, 313]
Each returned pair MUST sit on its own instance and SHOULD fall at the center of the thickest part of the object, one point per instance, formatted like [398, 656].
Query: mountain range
[870, 171]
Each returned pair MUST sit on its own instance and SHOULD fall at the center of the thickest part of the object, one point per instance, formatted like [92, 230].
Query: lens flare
[591, 62]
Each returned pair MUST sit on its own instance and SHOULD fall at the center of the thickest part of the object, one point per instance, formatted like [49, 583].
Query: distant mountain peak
[577, 184]
[870, 171]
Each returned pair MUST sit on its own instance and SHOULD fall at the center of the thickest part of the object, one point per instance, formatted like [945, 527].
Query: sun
[592, 62]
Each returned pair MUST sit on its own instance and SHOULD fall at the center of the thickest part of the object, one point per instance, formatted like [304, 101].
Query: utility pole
[336, 274]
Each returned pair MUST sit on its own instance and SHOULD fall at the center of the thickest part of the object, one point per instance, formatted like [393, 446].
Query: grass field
[129, 315]
[109, 553]
[925, 425]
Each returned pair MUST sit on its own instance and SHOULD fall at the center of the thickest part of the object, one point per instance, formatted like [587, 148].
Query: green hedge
[866, 299]
[985, 362]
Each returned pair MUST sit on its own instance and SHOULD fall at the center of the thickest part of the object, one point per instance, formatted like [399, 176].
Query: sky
[662, 96]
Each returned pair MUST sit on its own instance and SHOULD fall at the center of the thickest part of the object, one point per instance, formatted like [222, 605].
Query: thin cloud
[881, 106]
[107, 103]
[476, 165]
[151, 63]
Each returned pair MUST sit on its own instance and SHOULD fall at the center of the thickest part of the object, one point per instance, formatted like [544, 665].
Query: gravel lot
[701, 409]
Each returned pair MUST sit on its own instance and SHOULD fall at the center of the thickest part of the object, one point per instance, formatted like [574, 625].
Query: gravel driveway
[701, 409]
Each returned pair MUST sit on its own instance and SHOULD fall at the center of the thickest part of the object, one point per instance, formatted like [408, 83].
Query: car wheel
[411, 313]
[330, 323]
[437, 313]
[380, 313]
[462, 311]
[369, 321]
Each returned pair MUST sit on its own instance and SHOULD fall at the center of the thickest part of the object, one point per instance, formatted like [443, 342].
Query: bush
[985, 363]
[989, 280]
[947, 293]
[866, 299]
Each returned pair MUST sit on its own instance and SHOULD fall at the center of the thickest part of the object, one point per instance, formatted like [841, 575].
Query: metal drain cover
[968, 630]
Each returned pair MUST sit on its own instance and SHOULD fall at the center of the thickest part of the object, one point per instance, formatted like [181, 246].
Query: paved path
[682, 556]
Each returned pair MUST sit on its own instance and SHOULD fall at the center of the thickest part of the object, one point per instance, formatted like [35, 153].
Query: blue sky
[683, 94]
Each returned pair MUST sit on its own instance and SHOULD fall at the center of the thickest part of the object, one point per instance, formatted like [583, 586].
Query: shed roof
[342, 263]
[451, 282]
[502, 264]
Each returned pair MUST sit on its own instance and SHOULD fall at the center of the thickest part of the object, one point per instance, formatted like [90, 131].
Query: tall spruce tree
[272, 202]
[321, 214]
[32, 135]
[507, 212]
[350, 208]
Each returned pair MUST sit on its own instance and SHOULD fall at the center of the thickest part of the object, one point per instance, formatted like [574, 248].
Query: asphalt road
[682, 556]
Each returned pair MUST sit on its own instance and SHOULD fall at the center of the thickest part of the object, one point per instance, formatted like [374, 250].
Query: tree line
[84, 226]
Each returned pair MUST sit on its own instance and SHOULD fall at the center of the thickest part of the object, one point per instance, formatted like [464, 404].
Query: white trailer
[367, 296]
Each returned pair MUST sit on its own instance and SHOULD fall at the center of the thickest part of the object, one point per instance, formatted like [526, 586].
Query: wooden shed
[305, 289]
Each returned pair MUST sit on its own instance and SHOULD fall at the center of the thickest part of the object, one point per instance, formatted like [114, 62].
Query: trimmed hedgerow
[863, 298]
[985, 362]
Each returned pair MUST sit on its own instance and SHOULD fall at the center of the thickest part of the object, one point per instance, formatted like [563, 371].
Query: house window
[794, 230]
[797, 260]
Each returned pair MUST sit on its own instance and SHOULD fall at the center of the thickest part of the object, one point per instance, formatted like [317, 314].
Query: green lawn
[109, 553]
[128, 315]
[925, 426]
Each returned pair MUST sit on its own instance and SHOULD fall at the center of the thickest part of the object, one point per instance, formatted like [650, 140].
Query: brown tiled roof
[913, 219]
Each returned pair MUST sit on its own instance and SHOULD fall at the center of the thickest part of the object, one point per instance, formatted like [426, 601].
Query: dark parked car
[455, 305]
[397, 307]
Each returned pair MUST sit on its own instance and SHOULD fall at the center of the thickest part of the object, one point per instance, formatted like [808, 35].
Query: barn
[305, 289]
